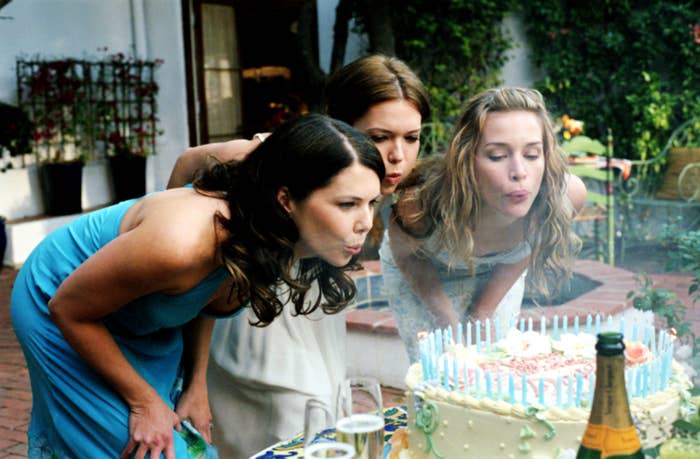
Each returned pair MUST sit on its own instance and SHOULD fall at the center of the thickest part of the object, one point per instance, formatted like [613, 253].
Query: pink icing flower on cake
[636, 352]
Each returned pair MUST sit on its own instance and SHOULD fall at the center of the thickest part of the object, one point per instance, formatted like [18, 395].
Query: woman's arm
[194, 402]
[195, 158]
[502, 278]
[421, 275]
[576, 190]
[138, 262]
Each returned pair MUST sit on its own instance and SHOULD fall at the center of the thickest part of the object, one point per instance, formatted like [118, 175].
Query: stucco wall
[77, 28]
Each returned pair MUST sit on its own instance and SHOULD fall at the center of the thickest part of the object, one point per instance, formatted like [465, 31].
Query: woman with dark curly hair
[115, 309]
[267, 374]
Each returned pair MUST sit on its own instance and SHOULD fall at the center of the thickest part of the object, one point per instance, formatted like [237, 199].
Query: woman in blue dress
[114, 310]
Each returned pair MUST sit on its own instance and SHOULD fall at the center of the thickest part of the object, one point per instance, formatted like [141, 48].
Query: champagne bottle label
[611, 441]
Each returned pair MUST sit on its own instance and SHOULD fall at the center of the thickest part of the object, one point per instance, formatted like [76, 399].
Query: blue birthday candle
[455, 376]
[477, 377]
[448, 336]
[647, 338]
[565, 324]
[569, 391]
[635, 332]
[645, 380]
[579, 388]
[499, 387]
[653, 342]
[497, 324]
[460, 331]
[597, 324]
[555, 327]
[610, 323]
[478, 335]
[558, 398]
[445, 373]
[469, 333]
[511, 388]
[487, 376]
[543, 325]
[622, 325]
[488, 334]
[630, 382]
[523, 389]
[522, 325]
[424, 360]
[465, 372]
[438, 341]
[541, 389]
[529, 324]
[588, 324]
[576, 325]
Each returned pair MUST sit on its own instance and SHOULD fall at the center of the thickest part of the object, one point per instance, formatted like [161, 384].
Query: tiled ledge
[609, 298]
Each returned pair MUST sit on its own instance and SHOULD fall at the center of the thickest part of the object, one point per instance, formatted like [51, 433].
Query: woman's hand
[194, 405]
[151, 425]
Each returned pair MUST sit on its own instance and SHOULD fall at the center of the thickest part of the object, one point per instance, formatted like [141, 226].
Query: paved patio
[15, 393]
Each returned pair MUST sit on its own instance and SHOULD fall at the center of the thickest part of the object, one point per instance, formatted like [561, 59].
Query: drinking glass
[360, 418]
[318, 433]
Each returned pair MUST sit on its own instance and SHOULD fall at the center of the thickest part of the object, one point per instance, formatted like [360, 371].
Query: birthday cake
[527, 393]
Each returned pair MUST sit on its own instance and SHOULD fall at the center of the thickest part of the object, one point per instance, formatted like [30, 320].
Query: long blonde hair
[442, 191]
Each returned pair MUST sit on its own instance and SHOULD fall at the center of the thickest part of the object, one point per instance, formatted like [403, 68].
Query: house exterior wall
[76, 29]
[147, 29]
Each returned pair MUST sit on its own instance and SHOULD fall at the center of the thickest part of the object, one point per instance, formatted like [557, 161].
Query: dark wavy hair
[303, 155]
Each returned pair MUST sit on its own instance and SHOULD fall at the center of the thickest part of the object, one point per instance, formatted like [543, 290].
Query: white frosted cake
[527, 393]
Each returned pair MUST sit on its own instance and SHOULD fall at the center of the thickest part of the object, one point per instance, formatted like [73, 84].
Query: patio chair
[600, 201]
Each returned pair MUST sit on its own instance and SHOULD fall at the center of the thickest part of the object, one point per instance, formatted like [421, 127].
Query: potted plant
[15, 134]
[128, 121]
[56, 97]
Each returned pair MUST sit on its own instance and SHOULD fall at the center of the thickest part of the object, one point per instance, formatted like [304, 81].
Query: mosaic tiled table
[394, 419]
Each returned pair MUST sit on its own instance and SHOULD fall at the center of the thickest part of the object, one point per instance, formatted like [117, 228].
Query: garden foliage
[633, 66]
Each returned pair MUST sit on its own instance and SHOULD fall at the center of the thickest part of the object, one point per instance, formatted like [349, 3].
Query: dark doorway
[243, 66]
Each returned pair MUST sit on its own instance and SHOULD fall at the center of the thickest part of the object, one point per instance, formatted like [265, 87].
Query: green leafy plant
[663, 303]
[685, 256]
[630, 66]
[457, 47]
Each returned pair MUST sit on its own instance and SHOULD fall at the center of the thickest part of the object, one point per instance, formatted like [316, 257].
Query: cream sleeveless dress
[460, 285]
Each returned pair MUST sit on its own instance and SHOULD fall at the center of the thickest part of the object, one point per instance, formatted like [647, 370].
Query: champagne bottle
[610, 432]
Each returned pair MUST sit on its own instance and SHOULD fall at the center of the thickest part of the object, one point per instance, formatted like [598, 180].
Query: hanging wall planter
[128, 174]
[61, 187]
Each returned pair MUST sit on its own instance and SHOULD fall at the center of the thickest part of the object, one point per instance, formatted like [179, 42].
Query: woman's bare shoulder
[181, 223]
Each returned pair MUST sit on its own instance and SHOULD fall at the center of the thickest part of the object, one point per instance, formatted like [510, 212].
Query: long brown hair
[441, 190]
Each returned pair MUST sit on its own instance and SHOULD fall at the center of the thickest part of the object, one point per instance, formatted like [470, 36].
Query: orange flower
[636, 352]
